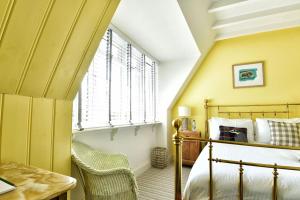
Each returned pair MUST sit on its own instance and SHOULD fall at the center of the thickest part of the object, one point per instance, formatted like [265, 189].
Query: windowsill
[116, 127]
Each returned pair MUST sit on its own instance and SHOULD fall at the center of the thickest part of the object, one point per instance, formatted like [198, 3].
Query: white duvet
[258, 182]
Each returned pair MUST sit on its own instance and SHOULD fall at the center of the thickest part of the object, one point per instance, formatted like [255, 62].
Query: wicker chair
[104, 176]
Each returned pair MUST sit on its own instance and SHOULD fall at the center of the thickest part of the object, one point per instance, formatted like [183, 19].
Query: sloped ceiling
[46, 46]
[199, 21]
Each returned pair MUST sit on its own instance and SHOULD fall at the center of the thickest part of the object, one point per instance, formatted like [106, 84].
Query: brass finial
[205, 103]
[176, 123]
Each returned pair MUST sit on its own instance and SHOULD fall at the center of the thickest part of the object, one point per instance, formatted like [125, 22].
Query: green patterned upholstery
[104, 176]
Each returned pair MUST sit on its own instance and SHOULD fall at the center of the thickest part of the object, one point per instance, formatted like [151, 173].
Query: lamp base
[185, 124]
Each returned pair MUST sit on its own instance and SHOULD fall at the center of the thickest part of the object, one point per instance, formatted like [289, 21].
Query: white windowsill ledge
[114, 129]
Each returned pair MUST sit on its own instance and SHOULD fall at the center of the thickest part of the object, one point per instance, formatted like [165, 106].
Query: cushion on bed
[284, 134]
[233, 134]
[262, 131]
[216, 122]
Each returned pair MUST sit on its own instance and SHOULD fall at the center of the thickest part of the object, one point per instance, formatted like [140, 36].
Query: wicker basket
[159, 157]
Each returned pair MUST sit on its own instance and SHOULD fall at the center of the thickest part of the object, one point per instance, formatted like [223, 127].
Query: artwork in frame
[248, 74]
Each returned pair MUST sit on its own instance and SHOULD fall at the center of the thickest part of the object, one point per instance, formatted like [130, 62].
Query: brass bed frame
[178, 139]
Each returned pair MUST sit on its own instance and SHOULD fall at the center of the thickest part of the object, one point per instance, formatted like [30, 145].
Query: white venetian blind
[94, 90]
[119, 87]
[149, 89]
[119, 81]
[137, 94]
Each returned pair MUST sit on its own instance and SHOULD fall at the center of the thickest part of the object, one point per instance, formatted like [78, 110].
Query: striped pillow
[284, 134]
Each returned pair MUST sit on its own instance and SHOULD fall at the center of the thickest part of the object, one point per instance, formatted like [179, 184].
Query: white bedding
[258, 182]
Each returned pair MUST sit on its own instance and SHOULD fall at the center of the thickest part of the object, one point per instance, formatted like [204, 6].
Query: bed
[240, 170]
[258, 182]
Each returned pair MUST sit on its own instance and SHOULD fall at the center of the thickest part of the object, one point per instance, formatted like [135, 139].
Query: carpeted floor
[158, 184]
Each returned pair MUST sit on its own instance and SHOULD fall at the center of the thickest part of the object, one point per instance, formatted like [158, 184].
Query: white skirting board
[141, 169]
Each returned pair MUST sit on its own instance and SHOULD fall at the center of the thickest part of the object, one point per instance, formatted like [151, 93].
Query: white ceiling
[177, 29]
[241, 17]
[158, 26]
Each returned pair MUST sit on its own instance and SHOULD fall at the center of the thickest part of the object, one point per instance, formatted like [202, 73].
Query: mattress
[258, 182]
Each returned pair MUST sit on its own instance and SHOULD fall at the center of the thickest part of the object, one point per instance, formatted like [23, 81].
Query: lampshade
[184, 111]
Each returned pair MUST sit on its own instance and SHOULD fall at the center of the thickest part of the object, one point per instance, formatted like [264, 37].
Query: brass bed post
[210, 171]
[241, 186]
[275, 173]
[177, 141]
[206, 117]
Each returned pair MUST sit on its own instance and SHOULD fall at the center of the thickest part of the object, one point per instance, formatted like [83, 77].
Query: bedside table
[190, 149]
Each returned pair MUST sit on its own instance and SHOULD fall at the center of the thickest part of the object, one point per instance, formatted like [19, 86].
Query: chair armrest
[103, 161]
[120, 160]
[111, 172]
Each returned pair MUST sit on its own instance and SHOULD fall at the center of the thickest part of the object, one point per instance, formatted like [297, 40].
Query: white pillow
[216, 122]
[263, 134]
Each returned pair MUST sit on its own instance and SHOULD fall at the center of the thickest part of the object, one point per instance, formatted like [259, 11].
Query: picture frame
[246, 75]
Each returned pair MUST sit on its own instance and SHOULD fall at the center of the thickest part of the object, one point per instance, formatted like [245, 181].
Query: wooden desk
[35, 183]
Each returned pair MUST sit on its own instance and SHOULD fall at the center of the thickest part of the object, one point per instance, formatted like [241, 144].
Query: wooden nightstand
[190, 149]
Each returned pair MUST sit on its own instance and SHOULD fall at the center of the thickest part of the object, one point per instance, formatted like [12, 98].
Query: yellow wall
[45, 49]
[213, 80]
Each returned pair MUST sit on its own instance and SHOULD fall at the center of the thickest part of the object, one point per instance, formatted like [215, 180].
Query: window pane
[149, 89]
[137, 95]
[119, 82]
[95, 90]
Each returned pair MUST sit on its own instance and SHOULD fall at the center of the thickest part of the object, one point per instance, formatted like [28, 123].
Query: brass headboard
[252, 111]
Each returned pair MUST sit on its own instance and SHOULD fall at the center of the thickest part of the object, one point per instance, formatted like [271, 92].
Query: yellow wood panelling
[41, 133]
[15, 129]
[34, 45]
[36, 131]
[52, 136]
[1, 114]
[62, 137]
[6, 16]
[51, 46]
[90, 51]
[63, 47]
[48, 45]
[92, 13]
[15, 48]
[29, 121]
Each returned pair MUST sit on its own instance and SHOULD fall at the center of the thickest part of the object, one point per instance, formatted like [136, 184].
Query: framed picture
[248, 74]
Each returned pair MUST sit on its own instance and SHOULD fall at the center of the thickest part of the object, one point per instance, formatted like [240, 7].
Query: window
[119, 87]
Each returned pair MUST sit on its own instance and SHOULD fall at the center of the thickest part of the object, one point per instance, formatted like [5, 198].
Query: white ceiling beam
[258, 29]
[225, 4]
[253, 16]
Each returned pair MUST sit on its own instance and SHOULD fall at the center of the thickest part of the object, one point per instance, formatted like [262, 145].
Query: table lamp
[184, 112]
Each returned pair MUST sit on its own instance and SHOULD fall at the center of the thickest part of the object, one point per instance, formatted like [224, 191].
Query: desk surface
[34, 183]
